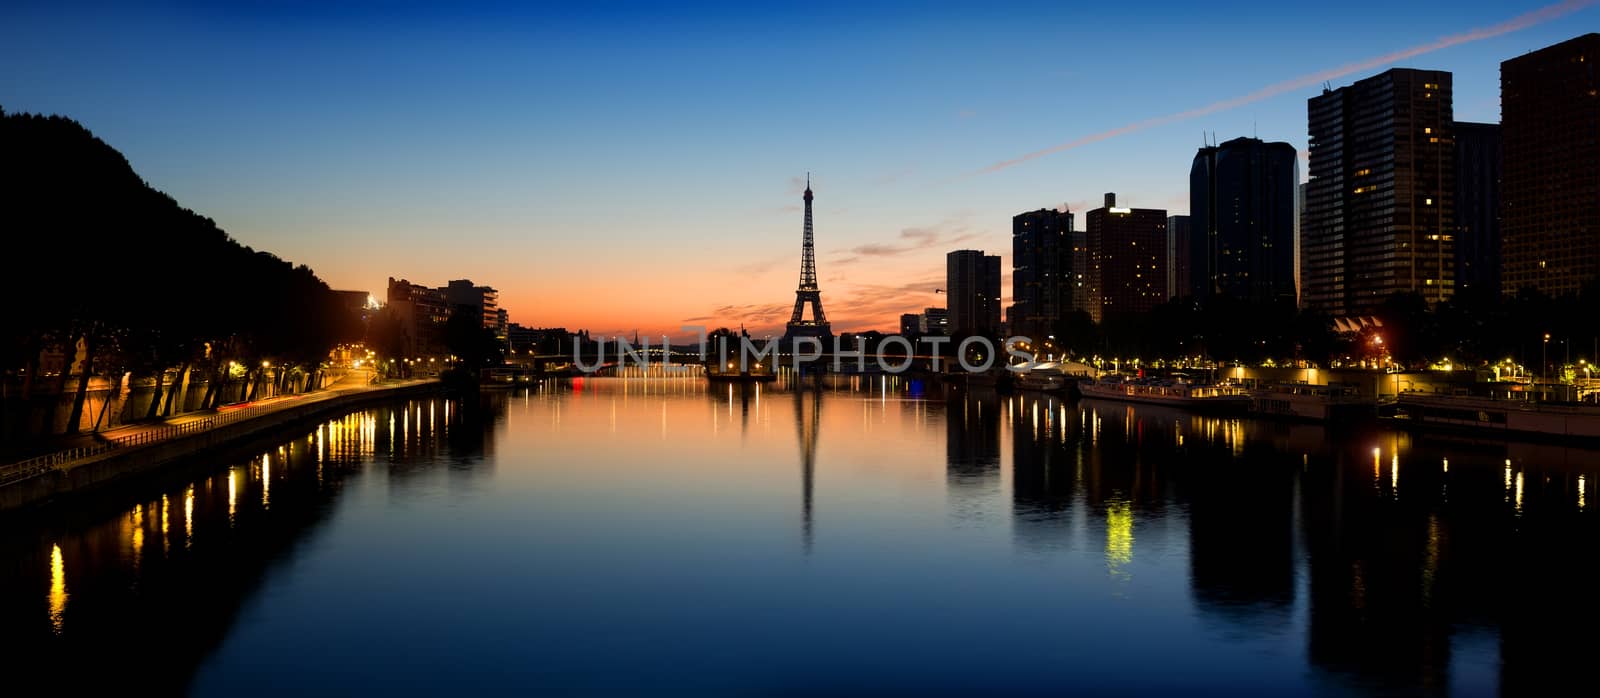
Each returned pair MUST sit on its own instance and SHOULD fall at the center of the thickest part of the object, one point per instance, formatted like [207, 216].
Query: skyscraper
[1242, 204]
[1127, 259]
[1082, 298]
[1041, 271]
[972, 280]
[1178, 256]
[1478, 174]
[1379, 206]
[1550, 216]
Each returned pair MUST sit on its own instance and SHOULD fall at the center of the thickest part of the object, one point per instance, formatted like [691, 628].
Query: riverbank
[46, 479]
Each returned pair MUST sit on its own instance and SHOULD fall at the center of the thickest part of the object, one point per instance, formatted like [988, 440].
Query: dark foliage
[95, 254]
[473, 345]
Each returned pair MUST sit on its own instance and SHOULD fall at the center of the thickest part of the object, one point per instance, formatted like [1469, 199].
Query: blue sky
[623, 166]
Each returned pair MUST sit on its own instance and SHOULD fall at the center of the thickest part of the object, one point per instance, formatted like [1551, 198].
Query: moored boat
[1045, 378]
[1042, 382]
[1209, 397]
[1314, 402]
[1492, 415]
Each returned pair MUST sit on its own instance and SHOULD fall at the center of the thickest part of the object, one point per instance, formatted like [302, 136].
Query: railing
[22, 470]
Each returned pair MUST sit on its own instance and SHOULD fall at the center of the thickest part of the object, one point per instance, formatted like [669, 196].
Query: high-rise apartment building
[972, 280]
[1041, 271]
[1478, 175]
[1178, 256]
[1550, 215]
[1242, 220]
[1379, 205]
[1127, 259]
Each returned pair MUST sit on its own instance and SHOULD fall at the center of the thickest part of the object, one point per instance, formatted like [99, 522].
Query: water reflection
[972, 441]
[616, 536]
[145, 615]
[808, 424]
[58, 589]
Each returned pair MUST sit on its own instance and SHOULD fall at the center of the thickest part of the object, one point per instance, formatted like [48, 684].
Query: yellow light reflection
[1519, 493]
[233, 492]
[266, 480]
[188, 515]
[1119, 537]
[58, 589]
[1582, 495]
[1430, 561]
[136, 533]
[165, 509]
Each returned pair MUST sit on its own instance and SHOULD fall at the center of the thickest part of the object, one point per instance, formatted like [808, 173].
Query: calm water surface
[615, 536]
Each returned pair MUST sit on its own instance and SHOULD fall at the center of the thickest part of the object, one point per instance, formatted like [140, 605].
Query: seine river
[872, 536]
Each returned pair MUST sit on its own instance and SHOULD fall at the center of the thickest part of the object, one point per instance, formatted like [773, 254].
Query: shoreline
[114, 467]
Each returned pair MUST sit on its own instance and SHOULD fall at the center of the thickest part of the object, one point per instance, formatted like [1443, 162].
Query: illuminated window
[1427, 129]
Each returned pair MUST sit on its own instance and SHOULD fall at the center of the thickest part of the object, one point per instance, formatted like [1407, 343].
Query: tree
[473, 345]
[146, 284]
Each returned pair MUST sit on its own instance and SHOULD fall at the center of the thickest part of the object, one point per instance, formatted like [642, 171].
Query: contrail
[1539, 16]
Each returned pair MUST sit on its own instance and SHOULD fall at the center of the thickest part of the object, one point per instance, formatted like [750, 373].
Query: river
[869, 536]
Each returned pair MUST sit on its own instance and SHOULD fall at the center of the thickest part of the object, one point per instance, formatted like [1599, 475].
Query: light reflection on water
[865, 534]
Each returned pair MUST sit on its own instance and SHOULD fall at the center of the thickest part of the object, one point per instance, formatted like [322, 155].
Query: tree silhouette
[99, 257]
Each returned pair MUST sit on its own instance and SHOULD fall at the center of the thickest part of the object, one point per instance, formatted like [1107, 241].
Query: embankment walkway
[141, 447]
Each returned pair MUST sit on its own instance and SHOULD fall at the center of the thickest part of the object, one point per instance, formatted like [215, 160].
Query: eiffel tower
[808, 292]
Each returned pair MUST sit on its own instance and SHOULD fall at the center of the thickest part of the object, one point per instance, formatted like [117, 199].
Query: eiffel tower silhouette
[808, 292]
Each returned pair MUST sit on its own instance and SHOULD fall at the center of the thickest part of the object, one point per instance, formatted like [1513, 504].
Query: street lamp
[1544, 360]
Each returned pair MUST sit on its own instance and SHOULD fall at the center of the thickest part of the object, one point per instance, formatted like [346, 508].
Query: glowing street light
[1544, 365]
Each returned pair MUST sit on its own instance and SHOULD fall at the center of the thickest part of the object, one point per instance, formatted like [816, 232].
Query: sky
[623, 167]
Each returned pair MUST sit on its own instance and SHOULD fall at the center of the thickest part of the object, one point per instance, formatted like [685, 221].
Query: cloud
[947, 232]
[762, 266]
[878, 250]
[1520, 22]
[850, 307]
[878, 306]
[756, 317]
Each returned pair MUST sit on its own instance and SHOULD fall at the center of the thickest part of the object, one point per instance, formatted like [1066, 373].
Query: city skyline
[591, 228]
